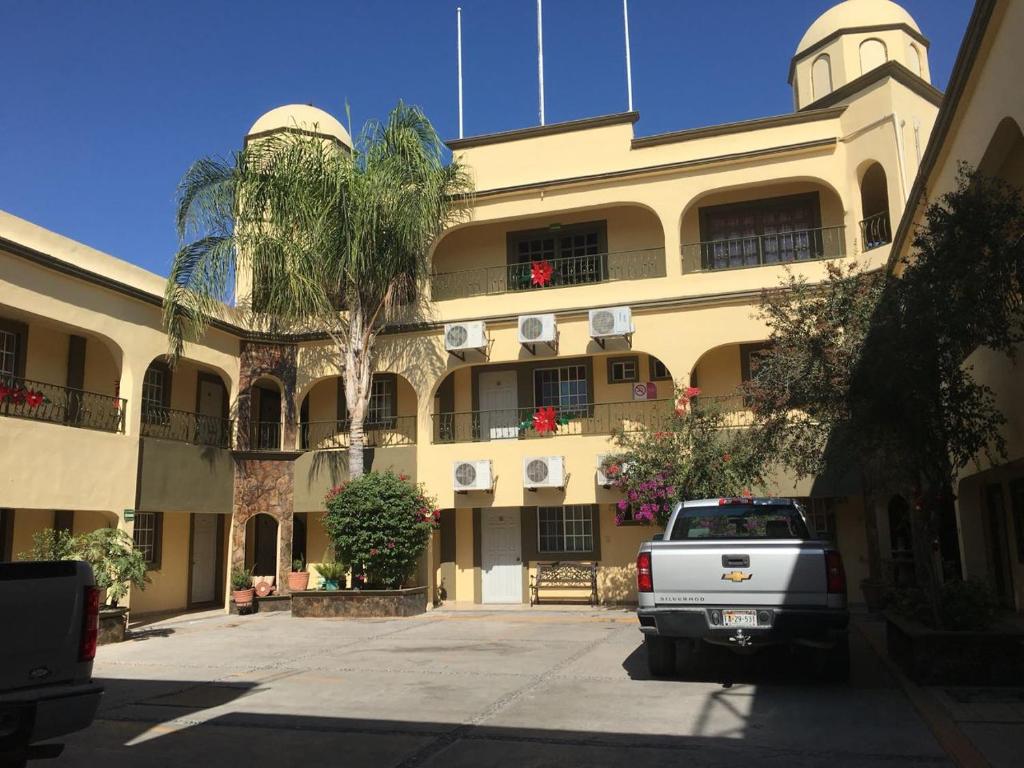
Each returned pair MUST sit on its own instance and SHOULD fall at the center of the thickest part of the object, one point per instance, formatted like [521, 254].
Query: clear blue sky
[104, 104]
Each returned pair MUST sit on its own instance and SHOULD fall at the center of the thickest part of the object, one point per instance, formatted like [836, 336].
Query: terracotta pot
[243, 596]
[298, 581]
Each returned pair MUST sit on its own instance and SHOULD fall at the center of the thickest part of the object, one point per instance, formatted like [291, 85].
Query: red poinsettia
[34, 399]
[545, 420]
[541, 272]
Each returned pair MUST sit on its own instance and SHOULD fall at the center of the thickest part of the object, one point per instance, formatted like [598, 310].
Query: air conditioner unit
[472, 476]
[458, 337]
[602, 478]
[537, 328]
[611, 322]
[543, 472]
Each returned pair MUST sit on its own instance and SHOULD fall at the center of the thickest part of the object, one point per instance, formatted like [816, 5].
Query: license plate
[739, 618]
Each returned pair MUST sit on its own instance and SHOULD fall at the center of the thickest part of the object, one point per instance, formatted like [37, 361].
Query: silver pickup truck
[743, 573]
[47, 644]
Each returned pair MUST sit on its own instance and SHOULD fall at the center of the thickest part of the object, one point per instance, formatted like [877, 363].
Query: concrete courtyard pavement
[475, 688]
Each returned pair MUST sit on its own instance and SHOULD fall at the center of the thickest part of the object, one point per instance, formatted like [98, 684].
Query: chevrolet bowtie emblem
[737, 576]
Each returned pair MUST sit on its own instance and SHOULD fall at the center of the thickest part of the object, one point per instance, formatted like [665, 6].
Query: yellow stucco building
[659, 246]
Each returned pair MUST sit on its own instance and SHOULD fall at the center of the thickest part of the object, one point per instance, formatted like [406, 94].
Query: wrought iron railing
[27, 399]
[734, 407]
[327, 435]
[265, 436]
[185, 427]
[875, 231]
[764, 250]
[566, 271]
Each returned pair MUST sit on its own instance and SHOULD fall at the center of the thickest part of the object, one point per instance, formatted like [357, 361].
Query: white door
[211, 404]
[499, 406]
[204, 558]
[501, 552]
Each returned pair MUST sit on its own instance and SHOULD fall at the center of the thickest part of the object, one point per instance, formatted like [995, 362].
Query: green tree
[334, 241]
[116, 563]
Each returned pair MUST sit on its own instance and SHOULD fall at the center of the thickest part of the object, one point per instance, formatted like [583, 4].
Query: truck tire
[661, 655]
[835, 662]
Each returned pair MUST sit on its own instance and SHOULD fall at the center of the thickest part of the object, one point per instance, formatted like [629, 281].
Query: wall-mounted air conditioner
[612, 322]
[472, 476]
[543, 472]
[458, 337]
[538, 329]
[604, 479]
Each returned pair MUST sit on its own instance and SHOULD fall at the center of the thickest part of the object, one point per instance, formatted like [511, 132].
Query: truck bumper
[38, 714]
[815, 627]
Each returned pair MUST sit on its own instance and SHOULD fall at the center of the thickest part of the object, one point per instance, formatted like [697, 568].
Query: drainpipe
[897, 126]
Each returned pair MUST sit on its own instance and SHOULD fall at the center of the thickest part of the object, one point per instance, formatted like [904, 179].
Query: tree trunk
[357, 391]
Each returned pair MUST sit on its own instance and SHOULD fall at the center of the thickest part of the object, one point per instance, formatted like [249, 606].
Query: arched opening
[872, 54]
[875, 228]
[390, 417]
[265, 415]
[188, 403]
[261, 545]
[914, 60]
[1004, 156]
[721, 373]
[821, 77]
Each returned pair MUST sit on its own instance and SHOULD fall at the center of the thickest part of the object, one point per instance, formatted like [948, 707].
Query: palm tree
[333, 240]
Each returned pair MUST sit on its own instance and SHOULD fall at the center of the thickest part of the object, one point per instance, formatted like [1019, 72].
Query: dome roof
[304, 116]
[855, 13]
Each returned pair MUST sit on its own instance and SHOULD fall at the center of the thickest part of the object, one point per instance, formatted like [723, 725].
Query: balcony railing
[735, 408]
[875, 231]
[37, 400]
[265, 436]
[765, 250]
[567, 271]
[327, 435]
[185, 427]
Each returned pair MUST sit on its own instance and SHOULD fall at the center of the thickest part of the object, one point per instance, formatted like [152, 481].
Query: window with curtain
[770, 231]
[576, 255]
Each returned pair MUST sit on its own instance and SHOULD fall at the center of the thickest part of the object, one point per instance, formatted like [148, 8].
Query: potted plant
[298, 579]
[242, 591]
[332, 573]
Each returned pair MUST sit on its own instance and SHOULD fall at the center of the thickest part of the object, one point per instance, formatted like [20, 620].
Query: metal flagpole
[540, 56]
[629, 66]
[458, 25]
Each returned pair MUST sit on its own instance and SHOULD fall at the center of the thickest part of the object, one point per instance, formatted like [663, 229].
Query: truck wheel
[835, 662]
[661, 655]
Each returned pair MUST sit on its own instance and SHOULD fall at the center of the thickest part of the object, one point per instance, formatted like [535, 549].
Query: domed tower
[851, 39]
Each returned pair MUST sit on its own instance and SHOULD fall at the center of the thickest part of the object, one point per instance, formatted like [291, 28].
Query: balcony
[185, 427]
[329, 435]
[875, 231]
[584, 419]
[569, 271]
[39, 401]
[265, 436]
[765, 250]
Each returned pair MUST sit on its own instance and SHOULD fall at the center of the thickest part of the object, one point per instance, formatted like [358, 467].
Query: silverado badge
[737, 576]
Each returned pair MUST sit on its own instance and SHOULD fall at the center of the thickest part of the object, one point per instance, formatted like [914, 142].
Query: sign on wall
[645, 391]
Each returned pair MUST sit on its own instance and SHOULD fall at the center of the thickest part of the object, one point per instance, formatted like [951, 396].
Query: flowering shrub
[690, 455]
[380, 524]
[21, 395]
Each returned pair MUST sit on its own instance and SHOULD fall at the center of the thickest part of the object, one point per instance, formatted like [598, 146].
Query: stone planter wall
[359, 603]
[946, 657]
[113, 622]
[262, 605]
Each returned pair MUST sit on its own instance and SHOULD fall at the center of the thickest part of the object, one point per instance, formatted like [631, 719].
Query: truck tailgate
[768, 572]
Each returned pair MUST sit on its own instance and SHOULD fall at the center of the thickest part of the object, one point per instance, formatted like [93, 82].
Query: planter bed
[359, 603]
[929, 656]
[264, 604]
[113, 622]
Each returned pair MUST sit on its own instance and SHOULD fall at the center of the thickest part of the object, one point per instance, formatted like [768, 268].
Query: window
[155, 395]
[623, 370]
[577, 255]
[8, 353]
[740, 521]
[658, 371]
[382, 406]
[872, 54]
[821, 77]
[148, 527]
[566, 529]
[914, 60]
[821, 514]
[771, 231]
[750, 358]
[562, 388]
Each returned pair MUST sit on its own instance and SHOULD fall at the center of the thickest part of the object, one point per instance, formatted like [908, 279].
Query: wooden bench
[560, 576]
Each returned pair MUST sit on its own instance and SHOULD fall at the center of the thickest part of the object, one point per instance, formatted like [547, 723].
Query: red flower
[35, 399]
[391, 545]
[691, 392]
[403, 477]
[540, 273]
[545, 420]
[726, 457]
[746, 493]
[613, 470]
[374, 552]
[5, 392]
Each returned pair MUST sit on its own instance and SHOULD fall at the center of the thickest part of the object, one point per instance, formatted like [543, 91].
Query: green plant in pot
[242, 591]
[332, 573]
[298, 579]
[116, 563]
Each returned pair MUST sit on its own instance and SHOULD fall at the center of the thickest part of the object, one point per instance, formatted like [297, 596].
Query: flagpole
[629, 65]
[540, 56]
[458, 25]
